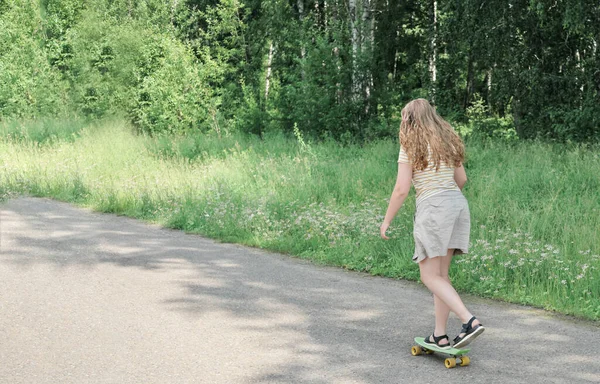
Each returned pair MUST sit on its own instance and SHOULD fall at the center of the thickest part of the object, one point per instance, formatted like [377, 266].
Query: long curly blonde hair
[423, 131]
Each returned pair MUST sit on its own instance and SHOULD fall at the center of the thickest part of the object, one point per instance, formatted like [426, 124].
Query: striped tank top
[429, 182]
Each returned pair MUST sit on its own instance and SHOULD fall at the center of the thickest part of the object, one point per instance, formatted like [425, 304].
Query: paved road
[92, 298]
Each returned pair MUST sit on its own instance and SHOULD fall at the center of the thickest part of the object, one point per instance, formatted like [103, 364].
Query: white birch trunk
[268, 76]
[371, 43]
[173, 9]
[366, 41]
[300, 4]
[395, 65]
[355, 45]
[433, 56]
[396, 57]
[580, 68]
[335, 10]
[336, 52]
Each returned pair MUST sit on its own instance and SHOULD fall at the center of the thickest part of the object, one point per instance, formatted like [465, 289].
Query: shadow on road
[326, 325]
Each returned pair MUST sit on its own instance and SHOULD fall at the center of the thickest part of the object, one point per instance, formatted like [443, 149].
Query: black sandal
[470, 333]
[436, 341]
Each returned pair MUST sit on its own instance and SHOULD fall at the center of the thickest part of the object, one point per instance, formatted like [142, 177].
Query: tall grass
[534, 206]
[41, 131]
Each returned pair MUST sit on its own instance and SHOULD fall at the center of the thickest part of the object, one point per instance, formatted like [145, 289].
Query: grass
[534, 207]
[42, 131]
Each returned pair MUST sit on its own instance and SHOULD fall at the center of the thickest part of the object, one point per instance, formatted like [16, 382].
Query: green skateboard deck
[456, 355]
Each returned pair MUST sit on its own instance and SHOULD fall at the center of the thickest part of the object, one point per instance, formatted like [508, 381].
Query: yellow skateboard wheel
[464, 361]
[416, 350]
[450, 363]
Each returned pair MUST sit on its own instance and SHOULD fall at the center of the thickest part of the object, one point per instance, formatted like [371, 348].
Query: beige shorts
[442, 222]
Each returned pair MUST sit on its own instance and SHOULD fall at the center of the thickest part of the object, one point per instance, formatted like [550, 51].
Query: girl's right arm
[460, 176]
[399, 194]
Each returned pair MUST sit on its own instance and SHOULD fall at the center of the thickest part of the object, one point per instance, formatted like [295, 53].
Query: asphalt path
[96, 298]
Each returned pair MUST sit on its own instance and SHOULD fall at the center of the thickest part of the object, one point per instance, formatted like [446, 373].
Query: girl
[431, 155]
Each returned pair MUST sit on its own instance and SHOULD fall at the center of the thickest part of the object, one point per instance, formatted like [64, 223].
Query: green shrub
[31, 87]
[62, 56]
[147, 74]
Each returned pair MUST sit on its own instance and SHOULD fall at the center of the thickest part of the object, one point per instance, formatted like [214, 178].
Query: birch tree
[433, 53]
[268, 75]
[300, 4]
[355, 47]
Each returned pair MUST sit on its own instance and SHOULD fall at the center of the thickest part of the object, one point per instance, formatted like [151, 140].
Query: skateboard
[456, 355]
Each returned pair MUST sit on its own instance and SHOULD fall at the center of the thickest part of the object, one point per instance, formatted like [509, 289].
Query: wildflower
[513, 251]
[563, 282]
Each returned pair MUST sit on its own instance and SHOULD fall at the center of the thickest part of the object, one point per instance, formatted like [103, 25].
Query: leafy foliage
[100, 66]
[339, 69]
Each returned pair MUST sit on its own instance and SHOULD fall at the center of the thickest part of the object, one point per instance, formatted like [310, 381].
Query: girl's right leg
[434, 274]
[442, 311]
[439, 285]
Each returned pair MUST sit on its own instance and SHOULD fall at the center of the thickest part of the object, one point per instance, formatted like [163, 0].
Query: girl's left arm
[399, 194]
